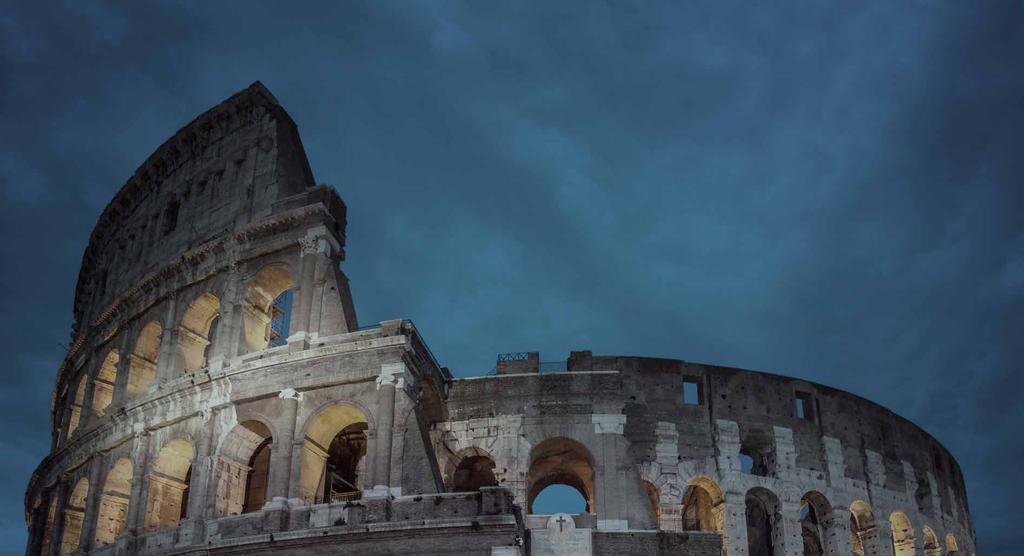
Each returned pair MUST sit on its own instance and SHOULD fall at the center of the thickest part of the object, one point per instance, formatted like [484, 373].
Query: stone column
[229, 325]
[37, 528]
[885, 542]
[92, 504]
[837, 532]
[834, 461]
[727, 438]
[168, 343]
[140, 491]
[872, 543]
[56, 541]
[87, 416]
[609, 478]
[786, 534]
[734, 536]
[279, 483]
[317, 245]
[200, 492]
[121, 380]
[392, 376]
[785, 453]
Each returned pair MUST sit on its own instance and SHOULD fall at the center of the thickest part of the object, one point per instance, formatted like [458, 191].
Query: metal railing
[514, 356]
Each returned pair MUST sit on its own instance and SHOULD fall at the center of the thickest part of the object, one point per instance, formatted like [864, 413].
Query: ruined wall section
[843, 447]
[225, 169]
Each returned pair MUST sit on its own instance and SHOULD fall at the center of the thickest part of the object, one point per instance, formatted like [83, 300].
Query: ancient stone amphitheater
[221, 398]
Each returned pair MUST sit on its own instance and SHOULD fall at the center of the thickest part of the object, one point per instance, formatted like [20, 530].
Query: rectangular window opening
[804, 406]
[691, 391]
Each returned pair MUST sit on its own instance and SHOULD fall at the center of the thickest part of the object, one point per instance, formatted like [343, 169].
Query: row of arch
[332, 470]
[563, 461]
[703, 509]
[265, 315]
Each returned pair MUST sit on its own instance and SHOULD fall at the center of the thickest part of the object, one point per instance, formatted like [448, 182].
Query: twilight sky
[832, 191]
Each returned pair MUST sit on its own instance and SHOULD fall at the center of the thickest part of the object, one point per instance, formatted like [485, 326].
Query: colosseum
[220, 397]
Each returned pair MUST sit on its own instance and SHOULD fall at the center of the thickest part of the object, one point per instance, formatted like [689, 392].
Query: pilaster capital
[318, 240]
[290, 394]
[394, 374]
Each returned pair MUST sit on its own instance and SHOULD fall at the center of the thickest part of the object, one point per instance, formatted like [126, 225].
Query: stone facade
[220, 398]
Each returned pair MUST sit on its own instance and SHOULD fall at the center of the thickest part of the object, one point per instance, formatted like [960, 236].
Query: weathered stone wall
[182, 424]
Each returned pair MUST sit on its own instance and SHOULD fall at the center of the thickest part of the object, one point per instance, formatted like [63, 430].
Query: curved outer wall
[182, 423]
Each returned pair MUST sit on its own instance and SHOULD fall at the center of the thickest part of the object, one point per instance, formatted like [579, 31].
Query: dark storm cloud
[826, 191]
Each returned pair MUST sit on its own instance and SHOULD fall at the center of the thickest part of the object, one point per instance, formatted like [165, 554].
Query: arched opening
[473, 469]
[267, 309]
[142, 361]
[561, 461]
[103, 384]
[76, 406]
[74, 515]
[902, 534]
[703, 508]
[195, 333]
[169, 481]
[654, 497]
[559, 499]
[951, 546]
[756, 449]
[931, 542]
[863, 531]
[243, 467]
[815, 519]
[51, 520]
[116, 493]
[334, 455]
[763, 518]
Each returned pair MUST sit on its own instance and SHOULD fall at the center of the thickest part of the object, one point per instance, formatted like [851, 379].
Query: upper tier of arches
[232, 165]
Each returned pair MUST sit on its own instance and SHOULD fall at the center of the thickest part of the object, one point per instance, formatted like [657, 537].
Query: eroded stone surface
[189, 416]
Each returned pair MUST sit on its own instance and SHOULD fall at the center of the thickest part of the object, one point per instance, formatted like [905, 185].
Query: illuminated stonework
[188, 417]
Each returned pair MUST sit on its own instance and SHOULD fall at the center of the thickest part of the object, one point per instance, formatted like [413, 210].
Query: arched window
[863, 531]
[74, 515]
[931, 542]
[114, 502]
[560, 461]
[756, 450]
[169, 485]
[268, 308]
[474, 469]
[334, 455]
[103, 384]
[243, 467]
[344, 468]
[142, 361]
[76, 406]
[763, 519]
[195, 333]
[815, 520]
[902, 534]
[951, 546]
[559, 498]
[702, 509]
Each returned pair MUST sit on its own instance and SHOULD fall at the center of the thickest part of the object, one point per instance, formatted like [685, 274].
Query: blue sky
[831, 191]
